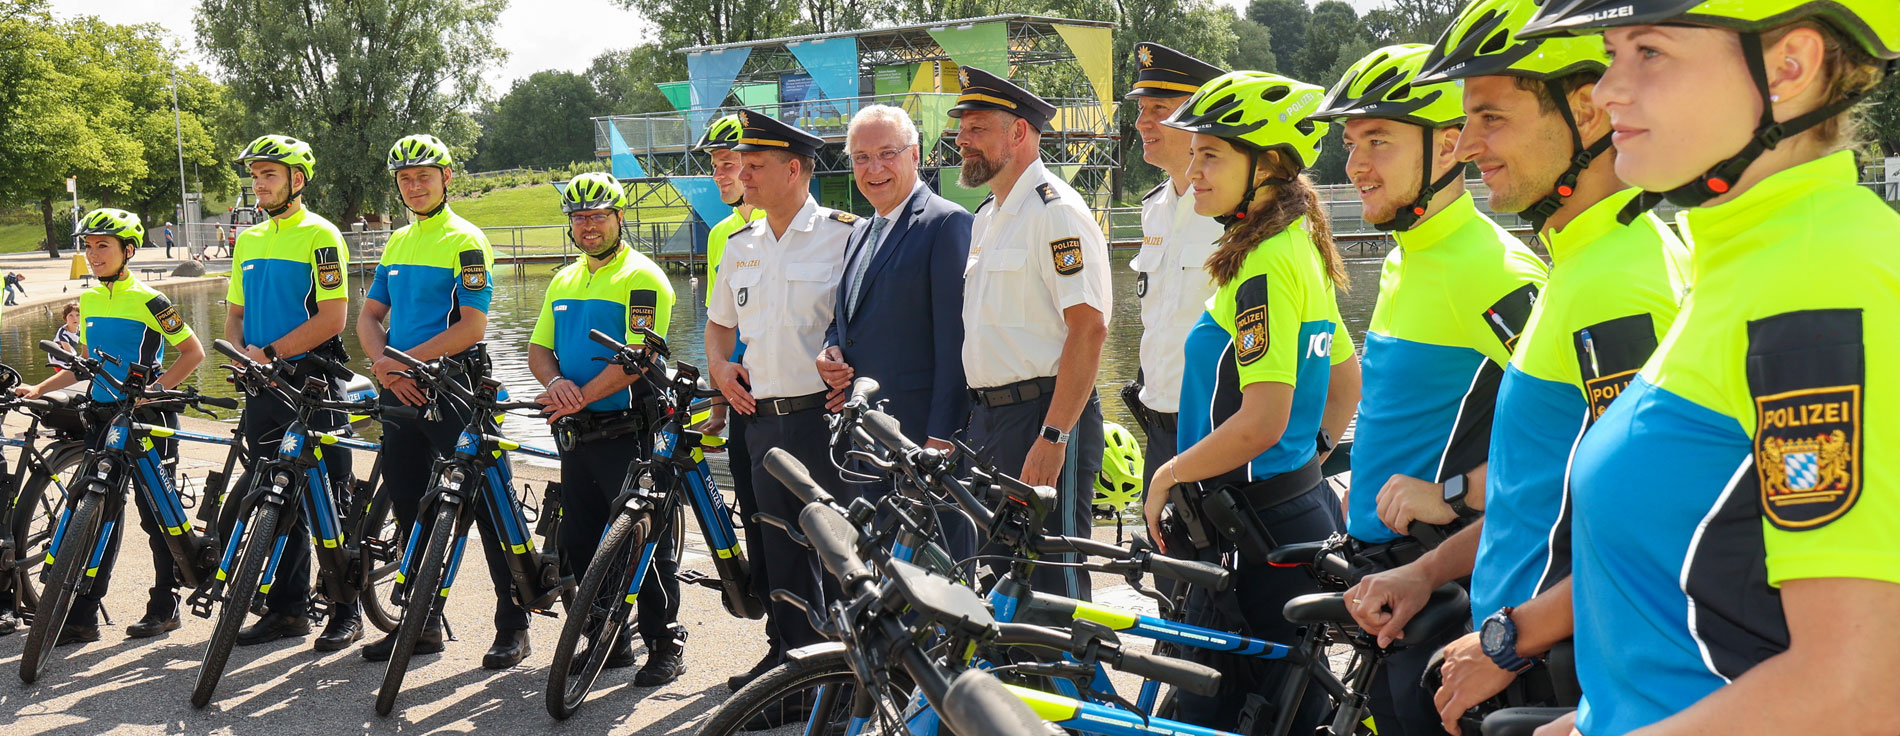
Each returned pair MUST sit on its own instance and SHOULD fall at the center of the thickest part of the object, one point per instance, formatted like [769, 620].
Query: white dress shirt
[779, 292]
[1173, 287]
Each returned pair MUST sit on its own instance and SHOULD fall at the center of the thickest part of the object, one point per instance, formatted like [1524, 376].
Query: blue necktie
[863, 266]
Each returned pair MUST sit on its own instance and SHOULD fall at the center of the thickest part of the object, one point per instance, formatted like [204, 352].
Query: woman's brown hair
[1846, 68]
[69, 310]
[1274, 209]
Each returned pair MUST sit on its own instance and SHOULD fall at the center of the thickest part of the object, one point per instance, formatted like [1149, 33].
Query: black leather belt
[1266, 494]
[792, 405]
[1014, 393]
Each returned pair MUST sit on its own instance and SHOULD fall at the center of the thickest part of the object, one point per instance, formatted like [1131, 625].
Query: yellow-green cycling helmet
[283, 149]
[1384, 85]
[1118, 485]
[1873, 25]
[722, 135]
[114, 222]
[1258, 112]
[594, 190]
[1484, 41]
[421, 149]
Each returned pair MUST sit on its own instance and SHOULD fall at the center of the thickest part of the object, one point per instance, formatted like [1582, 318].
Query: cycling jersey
[1612, 293]
[1738, 458]
[132, 323]
[1275, 320]
[438, 266]
[626, 294]
[1453, 298]
[282, 269]
[716, 246]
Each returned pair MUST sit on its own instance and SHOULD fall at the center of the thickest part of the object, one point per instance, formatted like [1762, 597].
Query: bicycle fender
[815, 651]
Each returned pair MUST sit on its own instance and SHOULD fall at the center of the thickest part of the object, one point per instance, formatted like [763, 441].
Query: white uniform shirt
[779, 292]
[1173, 287]
[1035, 253]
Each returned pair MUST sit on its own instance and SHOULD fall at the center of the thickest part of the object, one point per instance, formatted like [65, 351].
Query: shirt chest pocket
[1146, 264]
[745, 289]
[1006, 281]
[809, 292]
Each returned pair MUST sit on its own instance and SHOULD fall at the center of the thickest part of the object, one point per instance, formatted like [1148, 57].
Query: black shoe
[152, 625]
[9, 622]
[76, 634]
[342, 630]
[430, 643]
[772, 659]
[271, 627]
[794, 708]
[511, 646]
[622, 655]
[666, 660]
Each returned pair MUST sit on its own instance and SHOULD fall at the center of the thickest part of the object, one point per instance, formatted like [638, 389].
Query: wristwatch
[1053, 435]
[1498, 636]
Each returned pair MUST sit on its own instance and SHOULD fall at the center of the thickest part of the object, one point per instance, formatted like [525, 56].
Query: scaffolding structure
[1082, 143]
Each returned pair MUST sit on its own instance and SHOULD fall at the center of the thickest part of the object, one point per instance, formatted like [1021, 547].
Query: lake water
[518, 302]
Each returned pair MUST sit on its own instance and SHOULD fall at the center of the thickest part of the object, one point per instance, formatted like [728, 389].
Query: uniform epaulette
[1048, 192]
[843, 216]
[1154, 191]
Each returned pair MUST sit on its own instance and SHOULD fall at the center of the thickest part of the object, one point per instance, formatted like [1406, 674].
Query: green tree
[351, 78]
[1253, 46]
[628, 79]
[1286, 21]
[712, 22]
[1335, 24]
[544, 120]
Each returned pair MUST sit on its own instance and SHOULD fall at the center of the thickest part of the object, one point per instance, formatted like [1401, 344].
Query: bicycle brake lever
[817, 621]
[783, 525]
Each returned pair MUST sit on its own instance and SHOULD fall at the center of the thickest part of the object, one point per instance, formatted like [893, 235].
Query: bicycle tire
[35, 517]
[424, 591]
[614, 560]
[261, 537]
[770, 689]
[67, 569]
[378, 523]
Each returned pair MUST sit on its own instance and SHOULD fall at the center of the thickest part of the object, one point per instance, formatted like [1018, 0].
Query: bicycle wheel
[379, 551]
[809, 696]
[599, 616]
[424, 590]
[35, 517]
[82, 533]
[260, 538]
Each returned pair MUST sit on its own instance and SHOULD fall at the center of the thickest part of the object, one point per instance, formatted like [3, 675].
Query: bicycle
[33, 493]
[645, 511]
[126, 456]
[475, 473]
[280, 488]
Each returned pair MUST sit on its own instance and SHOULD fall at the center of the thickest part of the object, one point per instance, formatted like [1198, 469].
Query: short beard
[978, 172]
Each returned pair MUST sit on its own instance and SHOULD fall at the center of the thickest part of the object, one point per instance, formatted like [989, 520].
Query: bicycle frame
[32, 460]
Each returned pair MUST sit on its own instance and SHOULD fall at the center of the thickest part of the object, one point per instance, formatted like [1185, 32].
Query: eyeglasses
[598, 218]
[888, 155]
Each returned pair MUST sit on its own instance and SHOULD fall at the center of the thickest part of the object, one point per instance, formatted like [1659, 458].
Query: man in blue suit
[899, 314]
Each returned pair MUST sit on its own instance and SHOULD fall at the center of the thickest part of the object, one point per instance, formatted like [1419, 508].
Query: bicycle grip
[401, 357]
[792, 473]
[861, 389]
[1200, 574]
[977, 702]
[887, 431]
[1196, 678]
[835, 541]
[401, 412]
[219, 401]
[230, 351]
[606, 341]
[58, 351]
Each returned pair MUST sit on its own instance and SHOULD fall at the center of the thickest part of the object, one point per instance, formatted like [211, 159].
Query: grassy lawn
[21, 237]
[532, 205]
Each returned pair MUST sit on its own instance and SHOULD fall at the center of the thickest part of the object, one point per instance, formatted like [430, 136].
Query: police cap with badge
[1163, 72]
[985, 91]
[767, 133]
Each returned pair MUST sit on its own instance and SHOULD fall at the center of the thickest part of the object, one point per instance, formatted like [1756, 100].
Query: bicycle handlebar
[835, 540]
[1196, 678]
[977, 702]
[789, 471]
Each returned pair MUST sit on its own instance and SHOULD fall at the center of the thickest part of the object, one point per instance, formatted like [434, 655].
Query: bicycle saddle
[1520, 721]
[1449, 607]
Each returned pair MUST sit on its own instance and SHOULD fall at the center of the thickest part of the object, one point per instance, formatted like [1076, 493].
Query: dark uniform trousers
[787, 565]
[266, 416]
[1259, 593]
[163, 600]
[592, 476]
[1003, 435]
[1159, 450]
[409, 448]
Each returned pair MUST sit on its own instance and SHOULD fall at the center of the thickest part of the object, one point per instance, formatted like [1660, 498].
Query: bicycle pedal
[318, 609]
[380, 549]
[695, 577]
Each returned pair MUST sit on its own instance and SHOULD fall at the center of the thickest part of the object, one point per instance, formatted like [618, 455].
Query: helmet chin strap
[1409, 215]
[1542, 209]
[278, 211]
[1246, 200]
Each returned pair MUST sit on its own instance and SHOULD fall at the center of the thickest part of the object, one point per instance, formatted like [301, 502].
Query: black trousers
[1159, 450]
[592, 476]
[787, 565]
[410, 449]
[1259, 594]
[1003, 435]
[163, 596]
[266, 416]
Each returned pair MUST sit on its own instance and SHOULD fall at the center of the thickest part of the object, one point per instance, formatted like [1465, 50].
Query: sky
[539, 34]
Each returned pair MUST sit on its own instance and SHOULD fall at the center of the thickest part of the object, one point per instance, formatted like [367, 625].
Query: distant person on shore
[14, 281]
[68, 336]
[220, 241]
[168, 240]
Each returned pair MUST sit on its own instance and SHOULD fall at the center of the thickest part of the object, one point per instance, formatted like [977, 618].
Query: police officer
[776, 292]
[289, 293]
[124, 318]
[620, 292]
[1035, 310]
[430, 299]
[1170, 280]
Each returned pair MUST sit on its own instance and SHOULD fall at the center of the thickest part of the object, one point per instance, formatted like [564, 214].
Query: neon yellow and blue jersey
[132, 323]
[1276, 320]
[282, 269]
[716, 247]
[430, 270]
[625, 295]
[1612, 294]
[1757, 446]
[1453, 299]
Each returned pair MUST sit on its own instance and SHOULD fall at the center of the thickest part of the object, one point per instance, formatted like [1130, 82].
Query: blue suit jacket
[908, 330]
